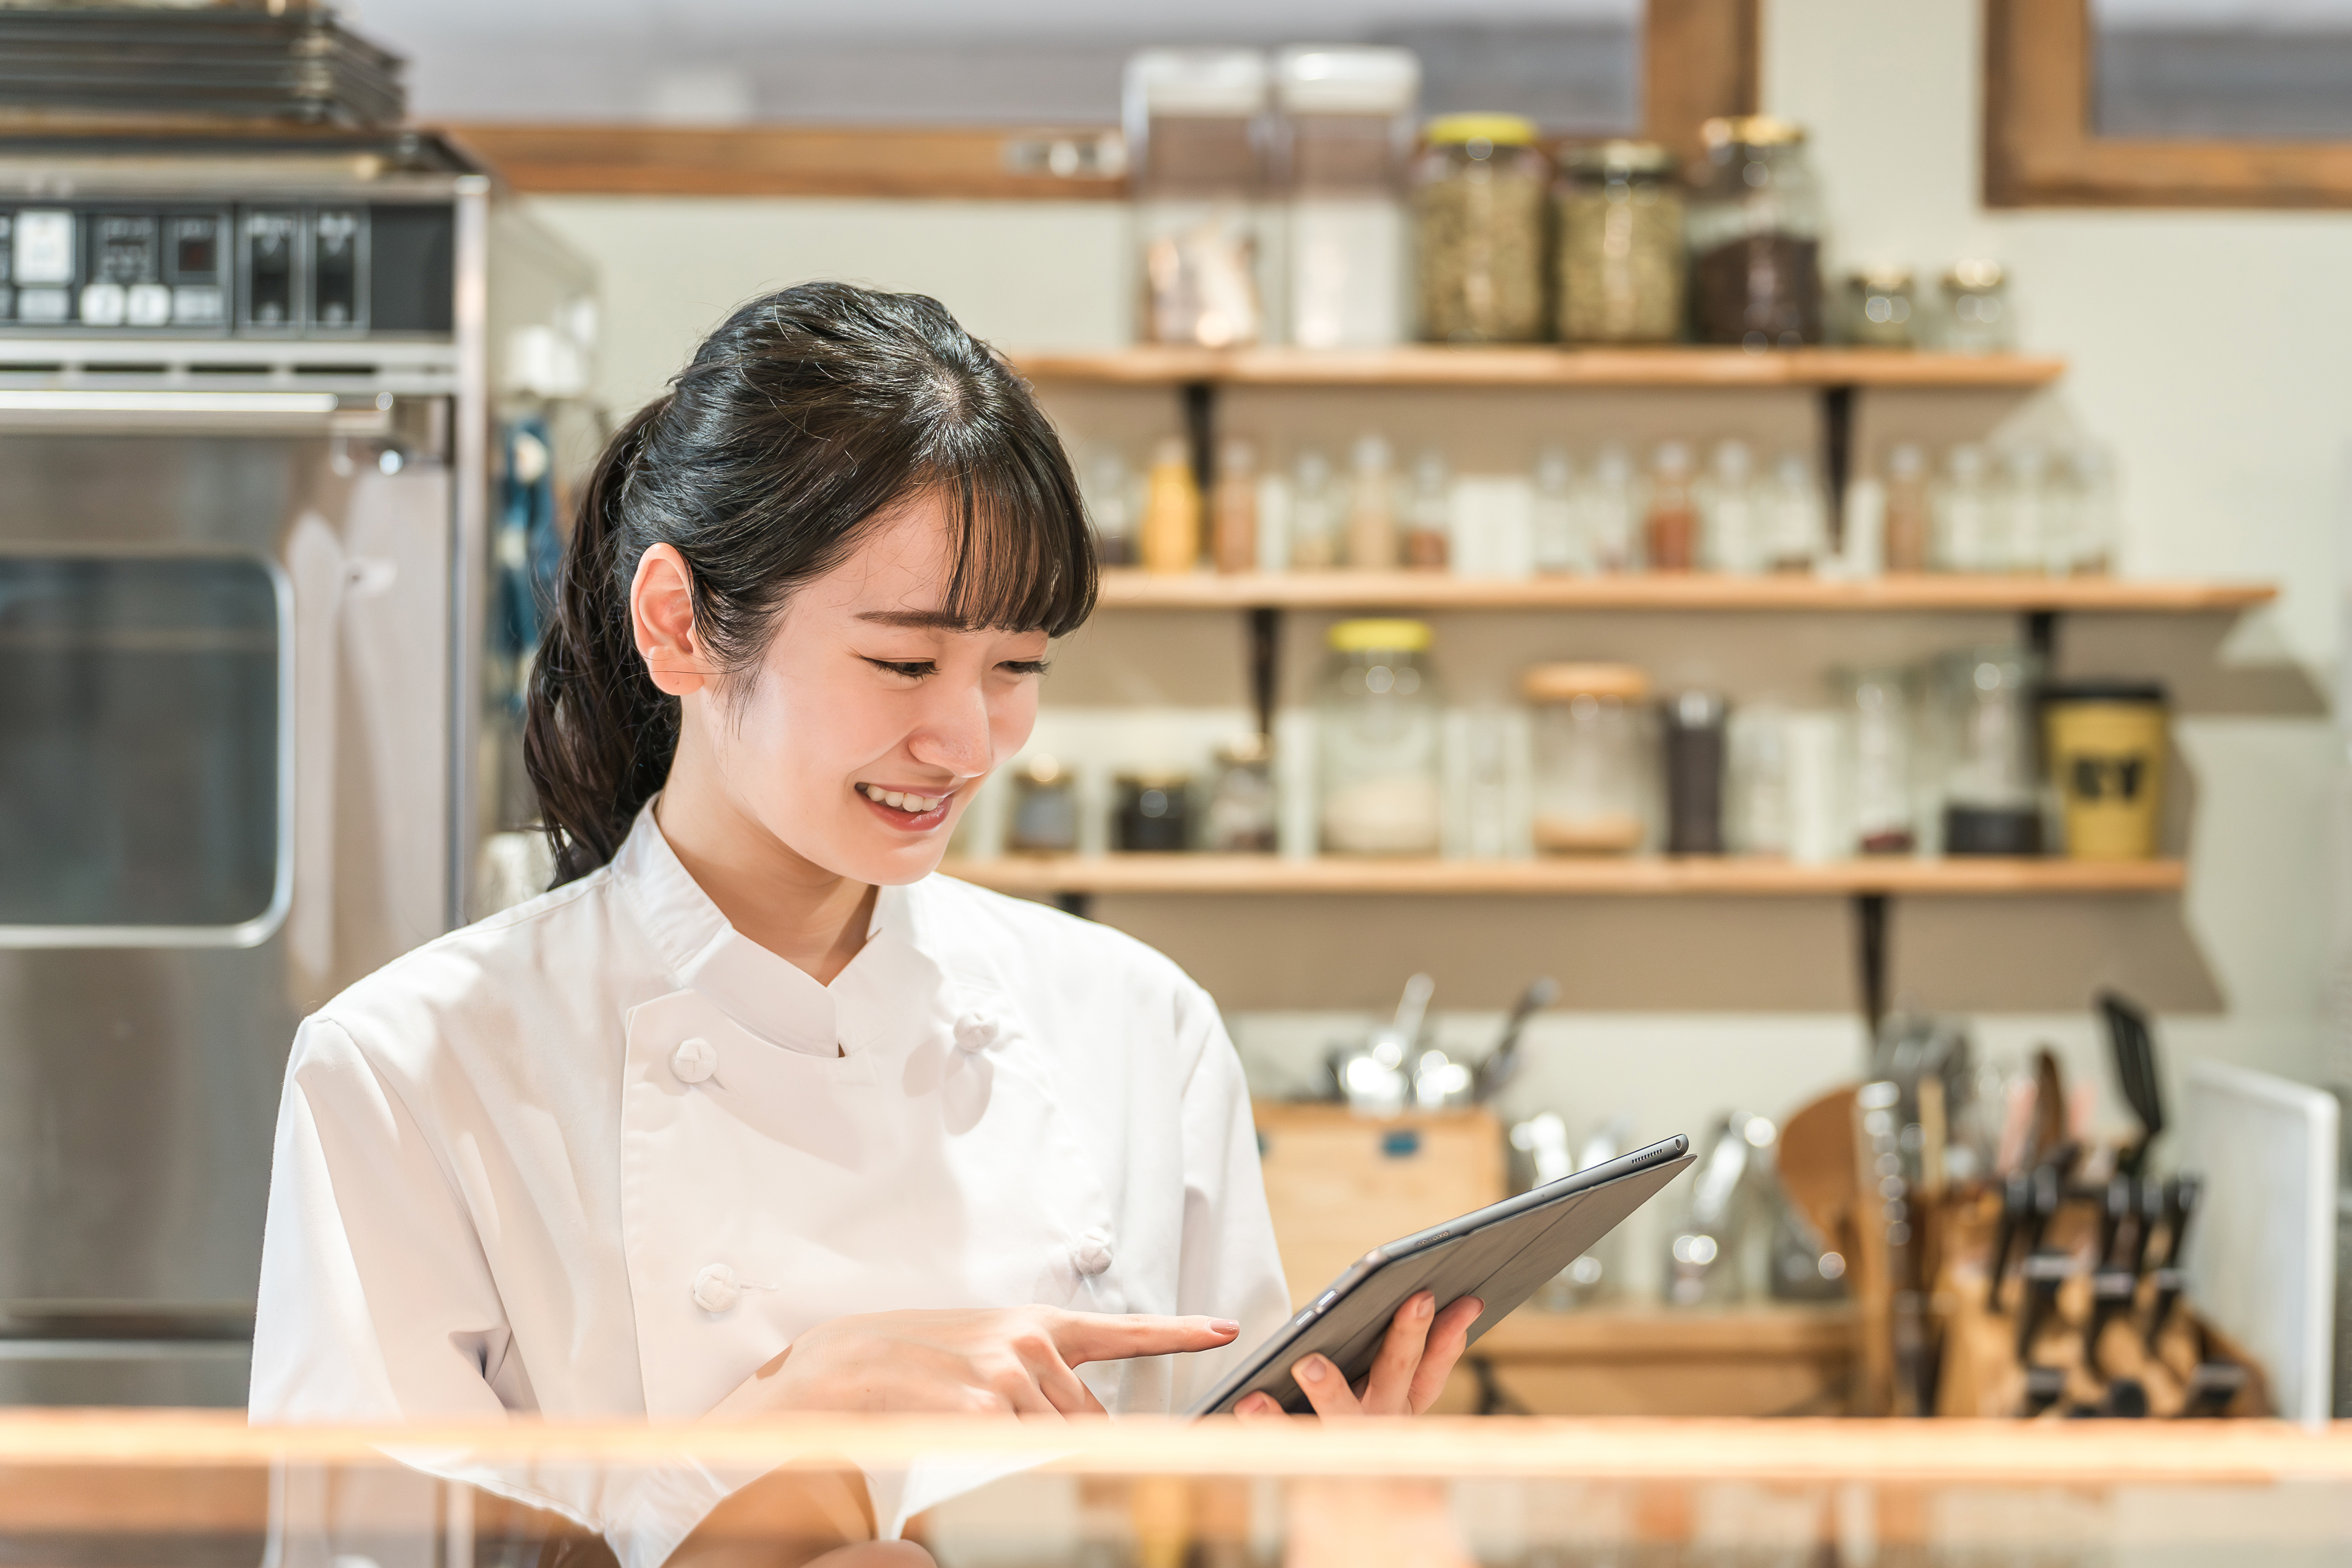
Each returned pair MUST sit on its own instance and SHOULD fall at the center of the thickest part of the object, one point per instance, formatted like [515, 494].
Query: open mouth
[907, 809]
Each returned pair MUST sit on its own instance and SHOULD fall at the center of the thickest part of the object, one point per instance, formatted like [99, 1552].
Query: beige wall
[2208, 349]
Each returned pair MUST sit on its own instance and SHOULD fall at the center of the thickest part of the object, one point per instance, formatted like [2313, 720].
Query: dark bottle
[1154, 812]
[1693, 723]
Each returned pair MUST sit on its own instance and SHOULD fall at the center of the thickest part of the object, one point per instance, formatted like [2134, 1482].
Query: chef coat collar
[772, 998]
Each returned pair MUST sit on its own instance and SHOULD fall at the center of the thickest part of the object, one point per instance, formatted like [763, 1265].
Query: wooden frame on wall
[2040, 150]
[1699, 60]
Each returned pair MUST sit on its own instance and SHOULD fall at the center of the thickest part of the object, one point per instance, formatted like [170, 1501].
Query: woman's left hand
[1416, 1356]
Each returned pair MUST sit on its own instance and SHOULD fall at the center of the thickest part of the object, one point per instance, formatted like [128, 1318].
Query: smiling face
[858, 739]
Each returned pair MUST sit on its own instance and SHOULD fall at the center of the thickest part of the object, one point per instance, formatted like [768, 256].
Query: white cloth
[602, 1157]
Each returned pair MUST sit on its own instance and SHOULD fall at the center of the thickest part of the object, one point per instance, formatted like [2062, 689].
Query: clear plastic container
[1591, 747]
[1478, 230]
[1380, 723]
[1618, 219]
[1756, 237]
[1195, 134]
[1348, 123]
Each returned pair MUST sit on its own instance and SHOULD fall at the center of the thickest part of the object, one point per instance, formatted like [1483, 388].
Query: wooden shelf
[1125, 588]
[1439, 366]
[1608, 1334]
[1205, 873]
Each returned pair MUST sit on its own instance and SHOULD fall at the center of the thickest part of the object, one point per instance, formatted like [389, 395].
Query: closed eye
[1023, 666]
[913, 669]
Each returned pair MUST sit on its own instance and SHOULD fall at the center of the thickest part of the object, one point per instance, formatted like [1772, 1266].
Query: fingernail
[1311, 1369]
[1225, 1325]
[1424, 1305]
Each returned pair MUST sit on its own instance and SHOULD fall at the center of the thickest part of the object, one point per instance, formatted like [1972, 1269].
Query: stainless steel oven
[245, 407]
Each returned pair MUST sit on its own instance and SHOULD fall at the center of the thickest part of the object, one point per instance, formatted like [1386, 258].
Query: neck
[811, 918]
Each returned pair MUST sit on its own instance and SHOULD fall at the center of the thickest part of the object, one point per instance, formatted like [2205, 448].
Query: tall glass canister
[1618, 238]
[1381, 723]
[1756, 237]
[1478, 221]
[1196, 136]
[1347, 136]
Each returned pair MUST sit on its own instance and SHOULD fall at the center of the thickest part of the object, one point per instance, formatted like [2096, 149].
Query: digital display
[125, 250]
[195, 250]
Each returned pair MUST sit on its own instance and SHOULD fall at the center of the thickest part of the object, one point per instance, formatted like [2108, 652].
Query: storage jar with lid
[1044, 817]
[1380, 724]
[1619, 221]
[1195, 135]
[1478, 230]
[1877, 705]
[1976, 308]
[1881, 309]
[1347, 127]
[1984, 724]
[1152, 811]
[1755, 230]
[1590, 757]
[1242, 811]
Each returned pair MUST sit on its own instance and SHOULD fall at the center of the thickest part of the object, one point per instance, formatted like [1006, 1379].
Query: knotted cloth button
[694, 1060]
[1092, 1254]
[976, 1032]
[715, 1289]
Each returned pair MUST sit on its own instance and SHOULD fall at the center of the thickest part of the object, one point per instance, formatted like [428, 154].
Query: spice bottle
[1619, 219]
[1559, 542]
[1172, 510]
[1112, 503]
[1315, 514]
[1372, 508]
[1608, 510]
[1878, 722]
[1756, 237]
[1960, 505]
[1233, 513]
[1725, 498]
[1429, 517]
[1795, 520]
[1478, 230]
[1908, 524]
[1670, 526]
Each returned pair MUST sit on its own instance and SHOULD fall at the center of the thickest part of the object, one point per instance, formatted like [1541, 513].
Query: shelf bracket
[1869, 910]
[1837, 456]
[2040, 630]
[1265, 663]
[1081, 905]
[1201, 436]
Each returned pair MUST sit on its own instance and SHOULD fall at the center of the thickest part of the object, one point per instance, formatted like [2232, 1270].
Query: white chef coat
[602, 1157]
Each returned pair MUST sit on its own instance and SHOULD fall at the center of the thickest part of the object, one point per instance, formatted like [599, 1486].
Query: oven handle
[165, 410]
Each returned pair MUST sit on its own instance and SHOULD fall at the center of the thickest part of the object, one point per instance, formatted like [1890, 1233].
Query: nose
[954, 733]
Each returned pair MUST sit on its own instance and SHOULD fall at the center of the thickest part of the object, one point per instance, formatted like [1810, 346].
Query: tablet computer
[1499, 1254]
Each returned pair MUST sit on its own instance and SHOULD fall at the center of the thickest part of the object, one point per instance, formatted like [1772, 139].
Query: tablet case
[1500, 1254]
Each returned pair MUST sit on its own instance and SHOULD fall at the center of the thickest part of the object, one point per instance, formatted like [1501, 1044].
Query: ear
[661, 615]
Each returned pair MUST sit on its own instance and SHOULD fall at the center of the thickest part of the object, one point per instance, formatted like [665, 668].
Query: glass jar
[1242, 813]
[1478, 230]
[1756, 237]
[1991, 779]
[1976, 309]
[1348, 118]
[1194, 133]
[1152, 813]
[1381, 724]
[1881, 309]
[1619, 220]
[1590, 781]
[1044, 817]
[1877, 705]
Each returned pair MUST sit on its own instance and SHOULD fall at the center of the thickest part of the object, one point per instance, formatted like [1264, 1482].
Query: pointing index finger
[1115, 1336]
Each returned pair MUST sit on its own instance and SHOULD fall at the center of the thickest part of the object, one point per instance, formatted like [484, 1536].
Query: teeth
[902, 800]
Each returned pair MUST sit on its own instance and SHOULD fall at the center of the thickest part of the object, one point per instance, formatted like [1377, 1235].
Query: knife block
[1340, 1185]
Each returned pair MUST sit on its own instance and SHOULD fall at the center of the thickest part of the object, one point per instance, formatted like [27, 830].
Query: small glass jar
[1044, 817]
[1881, 308]
[1991, 779]
[1618, 218]
[1380, 724]
[1152, 813]
[1243, 812]
[1756, 237]
[1976, 309]
[1478, 230]
[1877, 705]
[1590, 781]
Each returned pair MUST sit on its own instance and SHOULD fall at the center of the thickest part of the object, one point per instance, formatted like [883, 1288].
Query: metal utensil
[1374, 1080]
[1502, 1063]
[2135, 1053]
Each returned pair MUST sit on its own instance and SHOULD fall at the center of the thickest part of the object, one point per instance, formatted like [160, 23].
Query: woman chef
[751, 1112]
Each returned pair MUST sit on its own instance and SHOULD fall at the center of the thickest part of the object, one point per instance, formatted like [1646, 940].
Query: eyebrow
[917, 620]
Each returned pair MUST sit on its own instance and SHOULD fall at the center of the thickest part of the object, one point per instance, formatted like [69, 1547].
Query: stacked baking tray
[228, 61]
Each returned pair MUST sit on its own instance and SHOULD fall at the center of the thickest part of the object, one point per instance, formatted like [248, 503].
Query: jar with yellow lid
[1478, 196]
[1591, 750]
[1379, 724]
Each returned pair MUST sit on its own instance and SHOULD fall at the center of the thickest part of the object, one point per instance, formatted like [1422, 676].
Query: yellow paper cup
[2106, 743]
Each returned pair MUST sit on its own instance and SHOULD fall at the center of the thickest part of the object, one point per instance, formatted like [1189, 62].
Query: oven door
[224, 765]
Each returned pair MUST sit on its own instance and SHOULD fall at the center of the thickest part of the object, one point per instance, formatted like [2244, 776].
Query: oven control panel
[290, 270]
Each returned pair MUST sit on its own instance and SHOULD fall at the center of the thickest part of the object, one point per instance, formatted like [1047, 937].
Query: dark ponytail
[806, 417]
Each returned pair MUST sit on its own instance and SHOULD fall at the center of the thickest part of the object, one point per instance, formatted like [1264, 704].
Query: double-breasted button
[1092, 1254]
[715, 1288]
[977, 1031]
[695, 1060]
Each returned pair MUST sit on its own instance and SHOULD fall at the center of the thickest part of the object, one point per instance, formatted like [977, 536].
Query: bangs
[1024, 556]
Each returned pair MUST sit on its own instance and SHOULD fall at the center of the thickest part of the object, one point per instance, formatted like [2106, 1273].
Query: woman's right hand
[1014, 1360]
